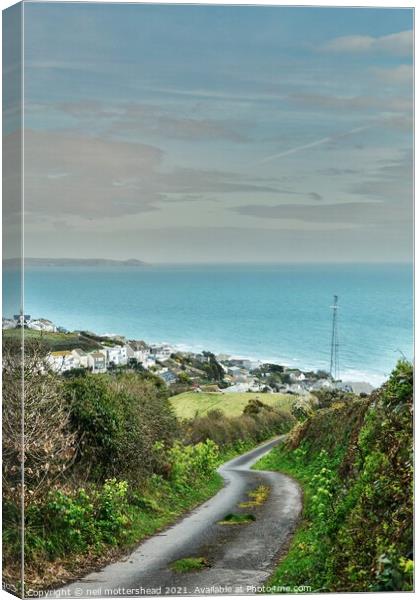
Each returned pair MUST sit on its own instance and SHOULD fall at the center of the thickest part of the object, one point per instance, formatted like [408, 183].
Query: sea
[278, 313]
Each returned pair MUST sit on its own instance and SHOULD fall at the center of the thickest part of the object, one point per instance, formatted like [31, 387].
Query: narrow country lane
[240, 556]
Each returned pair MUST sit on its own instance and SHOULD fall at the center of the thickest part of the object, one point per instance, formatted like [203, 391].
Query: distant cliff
[74, 262]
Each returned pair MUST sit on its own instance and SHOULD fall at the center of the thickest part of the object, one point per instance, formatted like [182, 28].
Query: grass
[184, 565]
[155, 510]
[192, 404]
[235, 519]
[354, 463]
[256, 497]
[300, 562]
[169, 508]
[162, 510]
[54, 341]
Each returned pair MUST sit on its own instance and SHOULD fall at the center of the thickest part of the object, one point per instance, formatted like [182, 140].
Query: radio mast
[334, 359]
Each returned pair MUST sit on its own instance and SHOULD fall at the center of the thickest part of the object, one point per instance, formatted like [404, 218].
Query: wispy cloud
[356, 104]
[150, 119]
[403, 74]
[400, 44]
[98, 178]
[320, 142]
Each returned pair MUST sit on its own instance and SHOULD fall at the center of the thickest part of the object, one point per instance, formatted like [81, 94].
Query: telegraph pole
[334, 359]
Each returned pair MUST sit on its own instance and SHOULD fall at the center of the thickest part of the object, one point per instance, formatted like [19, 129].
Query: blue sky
[179, 133]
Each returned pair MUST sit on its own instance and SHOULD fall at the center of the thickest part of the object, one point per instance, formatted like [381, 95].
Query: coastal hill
[74, 262]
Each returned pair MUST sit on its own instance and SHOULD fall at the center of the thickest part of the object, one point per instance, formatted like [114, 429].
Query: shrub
[356, 463]
[118, 419]
[192, 463]
[256, 424]
[48, 444]
[77, 520]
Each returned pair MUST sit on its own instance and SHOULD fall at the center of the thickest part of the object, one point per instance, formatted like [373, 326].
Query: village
[202, 371]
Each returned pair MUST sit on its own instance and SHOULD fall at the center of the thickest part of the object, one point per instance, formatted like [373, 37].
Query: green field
[191, 404]
[54, 341]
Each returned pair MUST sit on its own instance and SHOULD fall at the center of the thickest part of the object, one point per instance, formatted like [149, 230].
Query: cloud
[390, 182]
[93, 178]
[337, 171]
[320, 142]
[400, 44]
[401, 75]
[361, 214]
[315, 196]
[354, 103]
[121, 118]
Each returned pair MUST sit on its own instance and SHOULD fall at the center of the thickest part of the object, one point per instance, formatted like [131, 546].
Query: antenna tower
[334, 358]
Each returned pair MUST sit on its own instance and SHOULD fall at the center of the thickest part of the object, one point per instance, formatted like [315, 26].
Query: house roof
[97, 355]
[61, 353]
[80, 352]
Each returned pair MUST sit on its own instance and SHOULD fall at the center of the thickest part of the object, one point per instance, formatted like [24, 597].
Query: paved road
[241, 556]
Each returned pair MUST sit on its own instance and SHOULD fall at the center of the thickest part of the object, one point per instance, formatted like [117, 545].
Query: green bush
[355, 462]
[192, 463]
[118, 418]
[258, 423]
[73, 522]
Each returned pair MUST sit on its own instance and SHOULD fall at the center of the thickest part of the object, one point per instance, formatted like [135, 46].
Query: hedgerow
[106, 462]
[355, 463]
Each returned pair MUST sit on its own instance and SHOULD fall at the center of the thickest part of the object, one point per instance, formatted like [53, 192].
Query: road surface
[240, 556]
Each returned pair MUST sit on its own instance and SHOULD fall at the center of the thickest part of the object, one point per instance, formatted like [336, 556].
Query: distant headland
[74, 262]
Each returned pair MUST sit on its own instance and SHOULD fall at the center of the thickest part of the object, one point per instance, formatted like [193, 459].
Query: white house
[296, 375]
[160, 352]
[81, 357]
[117, 355]
[8, 323]
[42, 325]
[138, 350]
[62, 360]
[97, 361]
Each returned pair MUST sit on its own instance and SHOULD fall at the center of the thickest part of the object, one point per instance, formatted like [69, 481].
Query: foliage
[106, 461]
[185, 565]
[191, 404]
[237, 519]
[213, 368]
[77, 520]
[48, 446]
[356, 466]
[257, 423]
[184, 378]
[192, 463]
[117, 420]
[256, 497]
[53, 341]
[326, 398]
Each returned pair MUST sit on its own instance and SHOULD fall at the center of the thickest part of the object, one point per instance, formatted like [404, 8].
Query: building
[62, 360]
[42, 325]
[168, 377]
[97, 361]
[22, 320]
[117, 355]
[8, 323]
[138, 350]
[81, 358]
[160, 352]
[243, 363]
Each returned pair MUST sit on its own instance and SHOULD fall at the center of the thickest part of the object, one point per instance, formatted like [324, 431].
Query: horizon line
[207, 262]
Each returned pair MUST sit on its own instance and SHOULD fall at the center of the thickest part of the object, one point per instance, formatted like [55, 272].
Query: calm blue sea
[271, 312]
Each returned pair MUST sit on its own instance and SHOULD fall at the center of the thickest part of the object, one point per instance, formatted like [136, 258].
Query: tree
[36, 430]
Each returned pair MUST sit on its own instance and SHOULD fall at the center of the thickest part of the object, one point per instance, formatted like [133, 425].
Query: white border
[320, 3]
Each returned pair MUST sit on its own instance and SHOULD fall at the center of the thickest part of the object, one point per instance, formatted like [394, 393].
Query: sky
[217, 133]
